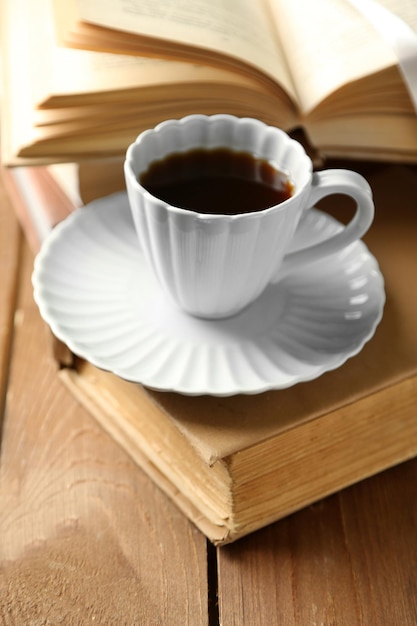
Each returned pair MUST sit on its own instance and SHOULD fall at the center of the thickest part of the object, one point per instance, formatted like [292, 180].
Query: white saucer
[96, 292]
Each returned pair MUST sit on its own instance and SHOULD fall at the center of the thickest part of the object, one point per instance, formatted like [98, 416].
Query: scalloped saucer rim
[96, 292]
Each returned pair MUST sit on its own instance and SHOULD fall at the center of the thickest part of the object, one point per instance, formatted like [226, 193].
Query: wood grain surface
[86, 538]
[348, 560]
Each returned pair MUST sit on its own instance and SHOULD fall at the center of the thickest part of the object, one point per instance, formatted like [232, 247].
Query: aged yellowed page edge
[41, 68]
[239, 28]
[82, 71]
[57, 71]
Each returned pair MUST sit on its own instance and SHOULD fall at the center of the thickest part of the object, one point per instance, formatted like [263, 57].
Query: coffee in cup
[217, 181]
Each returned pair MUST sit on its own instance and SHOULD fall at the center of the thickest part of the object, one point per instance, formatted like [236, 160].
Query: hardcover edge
[390, 453]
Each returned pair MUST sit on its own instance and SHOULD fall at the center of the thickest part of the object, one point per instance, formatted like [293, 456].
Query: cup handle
[325, 183]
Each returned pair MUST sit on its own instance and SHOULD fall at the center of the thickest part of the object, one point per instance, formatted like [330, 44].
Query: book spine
[38, 200]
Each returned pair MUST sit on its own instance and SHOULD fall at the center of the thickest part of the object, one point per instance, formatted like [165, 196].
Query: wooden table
[86, 538]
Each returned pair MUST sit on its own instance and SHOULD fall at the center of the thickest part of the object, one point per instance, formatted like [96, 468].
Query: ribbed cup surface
[214, 265]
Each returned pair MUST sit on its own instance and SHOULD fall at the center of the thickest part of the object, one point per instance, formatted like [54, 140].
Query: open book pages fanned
[81, 80]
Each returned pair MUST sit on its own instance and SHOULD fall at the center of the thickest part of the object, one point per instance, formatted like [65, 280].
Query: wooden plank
[84, 535]
[10, 239]
[349, 559]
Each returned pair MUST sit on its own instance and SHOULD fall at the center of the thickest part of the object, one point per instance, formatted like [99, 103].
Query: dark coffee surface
[217, 181]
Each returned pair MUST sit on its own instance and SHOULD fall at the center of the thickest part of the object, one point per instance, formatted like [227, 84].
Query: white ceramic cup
[215, 265]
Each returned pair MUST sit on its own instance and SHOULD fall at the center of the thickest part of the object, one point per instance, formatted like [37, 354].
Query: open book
[82, 79]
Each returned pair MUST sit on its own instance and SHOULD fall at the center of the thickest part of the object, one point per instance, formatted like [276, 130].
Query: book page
[60, 71]
[70, 97]
[241, 29]
[328, 44]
